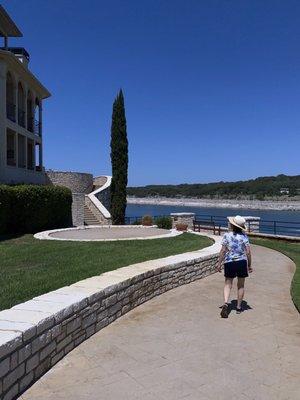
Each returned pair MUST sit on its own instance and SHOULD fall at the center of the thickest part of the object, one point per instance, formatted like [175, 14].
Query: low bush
[163, 222]
[5, 207]
[137, 222]
[31, 208]
[181, 227]
[147, 220]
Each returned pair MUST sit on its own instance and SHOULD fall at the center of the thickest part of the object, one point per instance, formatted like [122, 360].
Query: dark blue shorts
[236, 269]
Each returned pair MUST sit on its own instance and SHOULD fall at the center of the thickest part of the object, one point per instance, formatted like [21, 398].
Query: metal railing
[273, 227]
[11, 111]
[34, 126]
[37, 127]
[284, 228]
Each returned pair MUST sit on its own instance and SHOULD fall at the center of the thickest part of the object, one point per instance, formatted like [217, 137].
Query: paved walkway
[177, 347]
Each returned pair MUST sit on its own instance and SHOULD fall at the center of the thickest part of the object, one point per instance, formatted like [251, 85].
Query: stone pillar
[252, 223]
[183, 218]
[78, 209]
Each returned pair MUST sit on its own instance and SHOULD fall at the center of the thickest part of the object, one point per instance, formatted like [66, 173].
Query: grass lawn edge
[31, 267]
[292, 251]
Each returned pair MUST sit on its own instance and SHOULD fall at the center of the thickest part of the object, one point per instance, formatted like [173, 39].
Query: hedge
[30, 208]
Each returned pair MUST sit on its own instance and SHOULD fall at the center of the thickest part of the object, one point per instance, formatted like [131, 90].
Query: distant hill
[259, 188]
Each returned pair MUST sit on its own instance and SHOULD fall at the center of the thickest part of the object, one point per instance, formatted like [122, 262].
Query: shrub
[181, 227]
[164, 222]
[5, 207]
[137, 222]
[147, 220]
[30, 208]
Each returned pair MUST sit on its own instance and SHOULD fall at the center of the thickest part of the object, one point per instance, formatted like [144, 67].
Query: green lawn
[292, 250]
[30, 267]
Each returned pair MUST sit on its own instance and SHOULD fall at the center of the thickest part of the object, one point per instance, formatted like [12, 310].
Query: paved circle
[176, 346]
[109, 233]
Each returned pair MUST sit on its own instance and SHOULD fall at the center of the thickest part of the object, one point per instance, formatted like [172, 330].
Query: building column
[26, 149]
[41, 133]
[41, 155]
[16, 149]
[40, 117]
[33, 156]
[2, 119]
[25, 88]
[16, 100]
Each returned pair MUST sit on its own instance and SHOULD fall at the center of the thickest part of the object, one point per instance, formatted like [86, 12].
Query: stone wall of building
[77, 182]
[54, 323]
[78, 200]
[99, 181]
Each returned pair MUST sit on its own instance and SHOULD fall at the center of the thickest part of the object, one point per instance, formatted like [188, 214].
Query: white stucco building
[21, 97]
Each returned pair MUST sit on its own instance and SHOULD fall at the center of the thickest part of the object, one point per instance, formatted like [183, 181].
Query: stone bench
[36, 334]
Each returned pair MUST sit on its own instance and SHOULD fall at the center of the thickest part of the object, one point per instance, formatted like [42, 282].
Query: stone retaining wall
[36, 334]
[77, 182]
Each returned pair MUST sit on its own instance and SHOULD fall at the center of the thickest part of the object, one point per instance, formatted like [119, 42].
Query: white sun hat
[238, 221]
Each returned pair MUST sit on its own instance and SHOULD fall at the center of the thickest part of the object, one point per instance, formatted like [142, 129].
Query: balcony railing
[37, 127]
[21, 117]
[11, 112]
[34, 126]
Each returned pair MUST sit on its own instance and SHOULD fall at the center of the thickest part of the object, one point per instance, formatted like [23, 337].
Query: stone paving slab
[177, 347]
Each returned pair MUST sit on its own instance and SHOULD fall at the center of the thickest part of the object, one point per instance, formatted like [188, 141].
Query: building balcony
[11, 112]
[37, 128]
[34, 126]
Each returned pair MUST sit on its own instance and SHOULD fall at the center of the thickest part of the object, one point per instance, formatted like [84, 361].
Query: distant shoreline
[218, 203]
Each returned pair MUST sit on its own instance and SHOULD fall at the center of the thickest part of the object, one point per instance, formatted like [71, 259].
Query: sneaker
[224, 311]
[238, 310]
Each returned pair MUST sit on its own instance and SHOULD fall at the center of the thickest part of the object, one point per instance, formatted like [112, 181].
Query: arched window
[10, 98]
[21, 105]
[30, 111]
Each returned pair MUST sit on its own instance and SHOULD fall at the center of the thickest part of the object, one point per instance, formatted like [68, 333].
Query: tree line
[259, 188]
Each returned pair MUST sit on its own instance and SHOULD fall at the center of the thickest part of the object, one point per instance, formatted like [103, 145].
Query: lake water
[138, 210]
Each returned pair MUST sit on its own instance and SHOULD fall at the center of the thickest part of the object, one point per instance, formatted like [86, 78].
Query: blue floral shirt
[235, 244]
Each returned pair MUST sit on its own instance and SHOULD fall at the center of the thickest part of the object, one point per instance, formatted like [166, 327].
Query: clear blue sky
[212, 87]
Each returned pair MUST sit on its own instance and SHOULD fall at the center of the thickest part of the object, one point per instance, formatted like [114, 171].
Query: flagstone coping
[142, 233]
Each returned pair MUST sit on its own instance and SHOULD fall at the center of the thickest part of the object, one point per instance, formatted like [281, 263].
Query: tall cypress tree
[119, 161]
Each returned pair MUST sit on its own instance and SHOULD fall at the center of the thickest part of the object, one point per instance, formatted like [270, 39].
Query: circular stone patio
[107, 233]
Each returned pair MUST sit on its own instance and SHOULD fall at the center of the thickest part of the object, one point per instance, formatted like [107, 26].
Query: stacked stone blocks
[27, 351]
